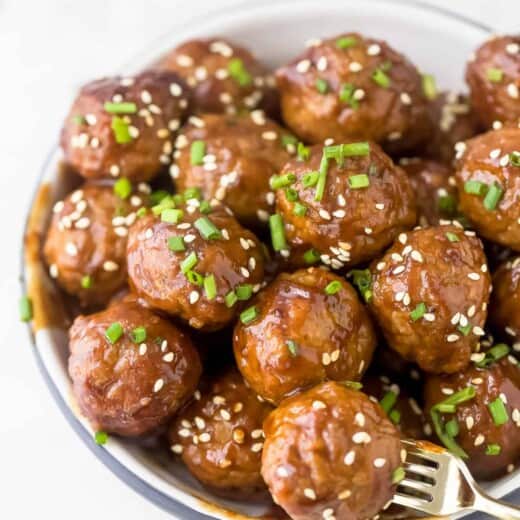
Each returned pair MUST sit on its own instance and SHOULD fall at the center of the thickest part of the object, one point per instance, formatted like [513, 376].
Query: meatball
[485, 425]
[504, 311]
[330, 453]
[352, 87]
[435, 191]
[223, 77]
[85, 246]
[493, 77]
[309, 326]
[347, 209]
[454, 120]
[488, 180]
[195, 262]
[124, 126]
[220, 436]
[131, 370]
[430, 293]
[238, 155]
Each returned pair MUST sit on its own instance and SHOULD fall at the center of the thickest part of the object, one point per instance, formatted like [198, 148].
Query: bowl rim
[134, 481]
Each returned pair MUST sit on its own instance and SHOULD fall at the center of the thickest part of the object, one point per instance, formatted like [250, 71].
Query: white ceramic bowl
[438, 41]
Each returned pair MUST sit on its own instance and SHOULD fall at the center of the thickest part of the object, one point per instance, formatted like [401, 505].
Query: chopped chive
[125, 107]
[418, 312]
[311, 256]
[195, 278]
[361, 148]
[493, 449]
[322, 86]
[244, 291]
[354, 385]
[333, 287]
[310, 179]
[346, 95]
[395, 416]
[176, 244]
[189, 262]
[114, 332]
[498, 411]
[494, 354]
[452, 428]
[345, 42]
[447, 204]
[475, 187]
[207, 229]
[239, 73]
[465, 330]
[178, 198]
[288, 140]
[514, 158]
[493, 196]
[121, 132]
[25, 309]
[100, 438]
[141, 212]
[86, 282]
[362, 279]
[248, 315]
[397, 475]
[281, 181]
[205, 207]
[380, 78]
[359, 181]
[230, 299]
[429, 86]
[277, 232]
[138, 335]
[299, 209]
[157, 196]
[79, 119]
[448, 441]
[494, 74]
[291, 194]
[210, 287]
[192, 193]
[452, 237]
[123, 188]
[197, 152]
[292, 347]
[303, 152]
[446, 408]
[166, 203]
[322, 178]
[388, 401]
[460, 397]
[172, 216]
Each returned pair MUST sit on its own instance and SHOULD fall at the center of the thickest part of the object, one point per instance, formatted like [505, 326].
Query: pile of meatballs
[282, 275]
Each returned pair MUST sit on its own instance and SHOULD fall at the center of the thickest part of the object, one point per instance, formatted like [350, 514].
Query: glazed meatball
[223, 77]
[493, 77]
[309, 327]
[435, 192]
[194, 262]
[330, 453]
[85, 246]
[488, 181]
[348, 210]
[484, 429]
[131, 369]
[504, 311]
[454, 120]
[124, 127]
[351, 87]
[238, 155]
[429, 295]
[220, 436]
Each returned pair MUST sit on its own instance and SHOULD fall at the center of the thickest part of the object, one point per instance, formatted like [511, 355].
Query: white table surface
[48, 48]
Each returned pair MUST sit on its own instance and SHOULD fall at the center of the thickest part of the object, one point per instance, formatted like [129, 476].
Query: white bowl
[438, 41]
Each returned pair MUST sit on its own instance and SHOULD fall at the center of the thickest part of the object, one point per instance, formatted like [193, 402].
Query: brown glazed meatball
[220, 436]
[349, 225]
[492, 447]
[85, 245]
[310, 326]
[188, 272]
[488, 180]
[129, 382]
[435, 192]
[124, 126]
[493, 77]
[223, 77]
[240, 154]
[504, 310]
[454, 120]
[430, 294]
[330, 453]
[351, 87]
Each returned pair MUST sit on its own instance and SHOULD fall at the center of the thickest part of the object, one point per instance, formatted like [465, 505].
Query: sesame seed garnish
[225, 415]
[194, 297]
[374, 49]
[110, 266]
[324, 214]
[405, 98]
[380, 266]
[379, 462]
[322, 64]
[142, 349]
[204, 437]
[416, 255]
[158, 385]
[344, 494]
[359, 419]
[177, 448]
[478, 331]
[452, 338]
[282, 472]
[361, 438]
[513, 91]
[355, 66]
[402, 238]
[474, 276]
[318, 405]
[309, 493]
[168, 357]
[479, 440]
[257, 446]
[175, 89]
[399, 269]
[184, 432]
[447, 391]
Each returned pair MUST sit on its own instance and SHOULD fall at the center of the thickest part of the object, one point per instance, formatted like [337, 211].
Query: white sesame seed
[168, 357]
[359, 94]
[478, 331]
[355, 66]
[379, 462]
[416, 255]
[324, 214]
[110, 266]
[479, 440]
[158, 385]
[225, 415]
[374, 49]
[361, 438]
[322, 64]
[142, 349]
[344, 494]
[309, 493]
[318, 405]
[405, 98]
[447, 391]
[184, 432]
[194, 297]
[269, 136]
[71, 249]
[282, 472]
[257, 446]
[177, 448]
[399, 269]
[204, 437]
[359, 419]
[402, 238]
[513, 48]
[452, 338]
[53, 271]
[495, 153]
[349, 458]
[513, 91]
[473, 276]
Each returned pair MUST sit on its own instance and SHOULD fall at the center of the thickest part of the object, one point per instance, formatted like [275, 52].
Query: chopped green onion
[322, 86]
[207, 229]
[493, 449]
[121, 131]
[100, 438]
[333, 287]
[114, 332]
[205, 207]
[138, 335]
[244, 291]
[166, 203]
[380, 78]
[123, 188]
[362, 279]
[125, 107]
[281, 181]
[239, 73]
[498, 411]
[79, 119]
[210, 287]
[141, 212]
[460, 397]
[248, 315]
[25, 309]
[388, 401]
[495, 75]
[465, 330]
[493, 196]
[446, 408]
[475, 187]
[230, 299]
[494, 354]
[322, 178]
[288, 140]
[176, 244]
[197, 152]
[418, 312]
[277, 232]
[192, 193]
[299, 209]
[303, 152]
[447, 204]
[395, 416]
[446, 439]
[397, 475]
[346, 95]
[195, 278]
[452, 428]
[345, 42]
[310, 179]
[292, 347]
[86, 281]
[514, 158]
[172, 216]
[158, 195]
[359, 181]
[178, 198]
[353, 385]
[429, 86]
[361, 148]
[452, 237]
[291, 194]
[311, 256]
[189, 262]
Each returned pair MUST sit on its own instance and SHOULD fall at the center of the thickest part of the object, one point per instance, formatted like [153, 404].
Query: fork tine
[419, 469]
[408, 501]
[423, 487]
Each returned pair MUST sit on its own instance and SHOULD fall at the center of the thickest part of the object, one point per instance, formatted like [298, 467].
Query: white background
[47, 49]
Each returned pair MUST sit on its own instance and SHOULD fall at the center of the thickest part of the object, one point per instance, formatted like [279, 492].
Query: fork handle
[496, 508]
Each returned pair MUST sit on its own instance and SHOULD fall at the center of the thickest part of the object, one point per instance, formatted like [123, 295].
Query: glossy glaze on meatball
[485, 426]
[429, 295]
[223, 77]
[309, 327]
[220, 437]
[131, 369]
[237, 157]
[125, 126]
[353, 87]
[348, 209]
[330, 453]
[493, 77]
[488, 180]
[434, 187]
[195, 262]
[85, 246]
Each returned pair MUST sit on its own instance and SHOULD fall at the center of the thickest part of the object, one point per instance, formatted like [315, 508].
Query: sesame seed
[325, 359]
[359, 94]
[429, 316]
[399, 269]
[177, 448]
[282, 472]
[478, 331]
[309, 493]
[452, 338]
[402, 238]
[380, 206]
[416, 255]
[225, 415]
[355, 66]
[175, 89]
[184, 432]
[379, 462]
[479, 440]
[158, 385]
[194, 297]
[471, 311]
[318, 405]
[361, 438]
[380, 266]
[324, 214]
[405, 98]
[53, 271]
[513, 48]
[168, 357]
[494, 154]
[142, 349]
[204, 437]
[110, 266]
[513, 91]
[474, 276]
[359, 419]
[322, 64]
[257, 446]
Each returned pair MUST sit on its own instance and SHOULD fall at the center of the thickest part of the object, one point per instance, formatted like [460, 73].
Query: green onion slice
[248, 315]
[333, 287]
[125, 107]
[176, 244]
[207, 229]
[197, 152]
[277, 232]
[121, 131]
[25, 309]
[114, 332]
[189, 262]
[292, 347]
[498, 411]
[429, 86]
[138, 335]
[123, 188]
[210, 287]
